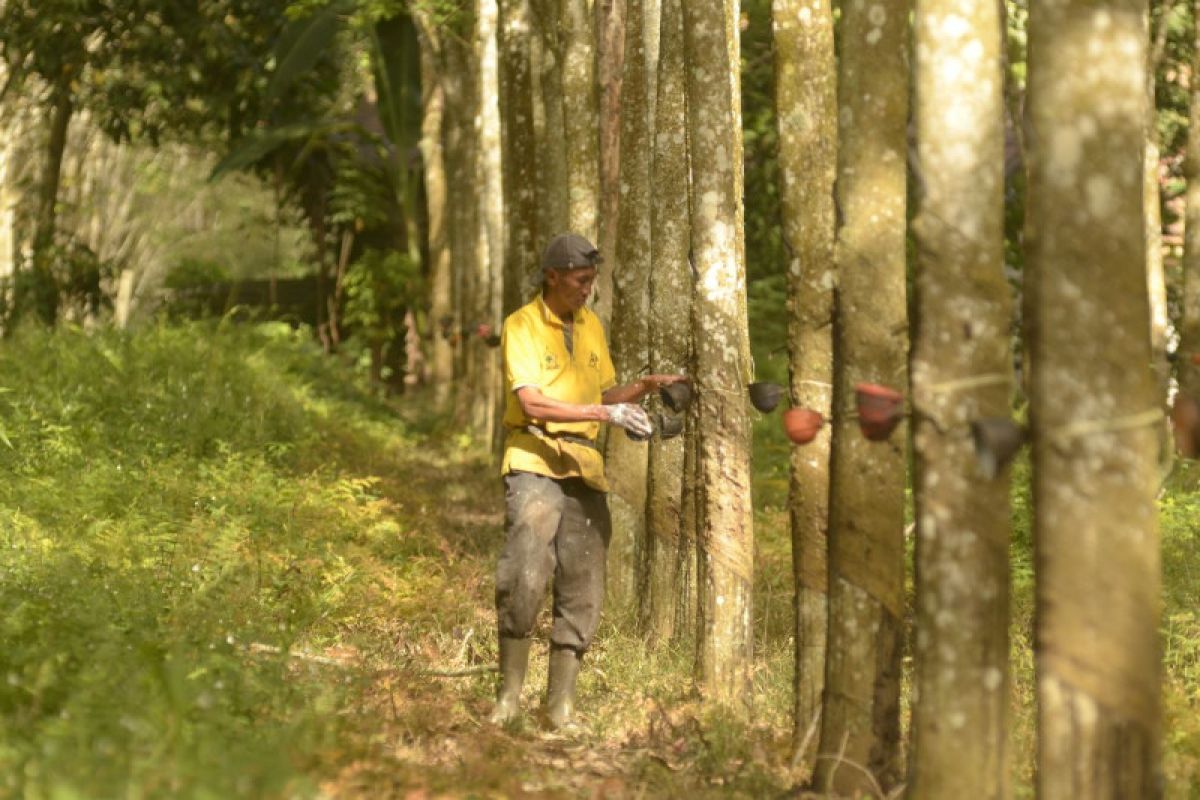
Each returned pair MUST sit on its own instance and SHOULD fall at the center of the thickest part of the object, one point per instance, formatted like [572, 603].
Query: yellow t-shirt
[535, 354]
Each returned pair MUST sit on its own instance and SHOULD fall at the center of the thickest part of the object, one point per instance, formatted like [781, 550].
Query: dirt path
[423, 735]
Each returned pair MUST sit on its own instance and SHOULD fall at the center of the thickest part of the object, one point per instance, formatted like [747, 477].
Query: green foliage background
[170, 500]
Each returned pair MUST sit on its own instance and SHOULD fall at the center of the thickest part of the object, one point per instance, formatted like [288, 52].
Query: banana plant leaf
[300, 47]
[252, 149]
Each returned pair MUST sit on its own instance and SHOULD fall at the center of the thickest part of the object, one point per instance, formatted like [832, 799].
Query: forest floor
[230, 571]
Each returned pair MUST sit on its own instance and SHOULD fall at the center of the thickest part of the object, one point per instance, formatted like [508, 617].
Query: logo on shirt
[549, 361]
[594, 361]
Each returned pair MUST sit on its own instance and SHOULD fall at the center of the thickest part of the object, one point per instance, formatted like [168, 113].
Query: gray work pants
[559, 528]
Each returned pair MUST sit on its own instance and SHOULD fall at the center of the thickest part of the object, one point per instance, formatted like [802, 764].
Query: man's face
[571, 286]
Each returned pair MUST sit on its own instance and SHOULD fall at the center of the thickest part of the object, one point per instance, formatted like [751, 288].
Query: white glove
[632, 418]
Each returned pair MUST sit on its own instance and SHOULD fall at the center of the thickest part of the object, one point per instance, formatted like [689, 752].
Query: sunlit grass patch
[176, 518]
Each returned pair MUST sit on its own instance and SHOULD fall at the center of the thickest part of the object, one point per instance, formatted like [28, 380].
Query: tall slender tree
[520, 158]
[725, 522]
[626, 460]
[610, 69]
[806, 110]
[1189, 334]
[490, 264]
[861, 718]
[580, 115]
[961, 372]
[1156, 275]
[553, 199]
[433, 102]
[668, 559]
[1094, 407]
[460, 80]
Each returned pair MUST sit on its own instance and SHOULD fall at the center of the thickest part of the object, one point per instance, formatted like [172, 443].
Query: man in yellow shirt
[559, 386]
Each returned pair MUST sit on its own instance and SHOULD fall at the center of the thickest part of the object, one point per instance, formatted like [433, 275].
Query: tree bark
[625, 459]
[62, 108]
[553, 198]
[961, 372]
[666, 571]
[1189, 334]
[433, 156]
[726, 533]
[1156, 275]
[1095, 407]
[806, 107]
[581, 111]
[860, 722]
[490, 263]
[520, 157]
[460, 80]
[610, 69]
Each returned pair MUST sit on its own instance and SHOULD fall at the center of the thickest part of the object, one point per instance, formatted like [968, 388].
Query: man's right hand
[632, 418]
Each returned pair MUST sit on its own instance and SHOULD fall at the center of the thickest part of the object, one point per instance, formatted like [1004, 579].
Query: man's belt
[542, 433]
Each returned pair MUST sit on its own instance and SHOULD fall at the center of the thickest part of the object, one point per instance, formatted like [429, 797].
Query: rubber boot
[560, 699]
[514, 658]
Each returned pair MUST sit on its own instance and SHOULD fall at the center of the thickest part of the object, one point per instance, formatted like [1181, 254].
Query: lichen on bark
[806, 108]
[961, 372]
[866, 520]
[725, 528]
[1094, 404]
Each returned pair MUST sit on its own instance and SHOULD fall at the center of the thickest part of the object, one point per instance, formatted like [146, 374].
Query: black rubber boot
[514, 658]
[560, 699]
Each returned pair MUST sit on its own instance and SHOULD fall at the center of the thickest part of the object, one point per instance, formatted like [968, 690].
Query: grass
[185, 506]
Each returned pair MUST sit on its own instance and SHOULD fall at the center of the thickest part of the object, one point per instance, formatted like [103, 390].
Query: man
[559, 387]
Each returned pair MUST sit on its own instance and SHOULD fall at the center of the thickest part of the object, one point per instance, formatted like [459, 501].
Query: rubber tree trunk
[733, 25]
[625, 459]
[553, 198]
[1095, 407]
[1189, 334]
[806, 106]
[1156, 275]
[726, 533]
[433, 102]
[62, 108]
[961, 372]
[581, 112]
[490, 264]
[521, 260]
[609, 25]
[462, 107]
[860, 723]
[667, 573]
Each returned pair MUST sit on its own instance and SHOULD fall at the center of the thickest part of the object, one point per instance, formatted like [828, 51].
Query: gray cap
[568, 251]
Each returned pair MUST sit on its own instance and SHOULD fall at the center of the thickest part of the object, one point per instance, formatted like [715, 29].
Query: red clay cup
[802, 424]
[880, 410]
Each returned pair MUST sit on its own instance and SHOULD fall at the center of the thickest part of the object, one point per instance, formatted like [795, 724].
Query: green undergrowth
[230, 571]
[1180, 529]
[179, 508]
